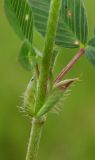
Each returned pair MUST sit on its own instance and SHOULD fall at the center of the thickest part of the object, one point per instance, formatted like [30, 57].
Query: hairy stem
[69, 65]
[35, 135]
[43, 78]
[49, 43]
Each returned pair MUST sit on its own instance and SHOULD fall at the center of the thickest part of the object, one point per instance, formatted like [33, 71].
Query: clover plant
[63, 24]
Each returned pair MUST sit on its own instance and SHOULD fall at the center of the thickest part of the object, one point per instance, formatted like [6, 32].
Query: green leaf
[90, 50]
[27, 56]
[92, 42]
[20, 17]
[72, 26]
[90, 53]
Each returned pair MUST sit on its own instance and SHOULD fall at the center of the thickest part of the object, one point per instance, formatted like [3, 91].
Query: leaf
[92, 42]
[27, 56]
[72, 26]
[90, 50]
[90, 53]
[20, 17]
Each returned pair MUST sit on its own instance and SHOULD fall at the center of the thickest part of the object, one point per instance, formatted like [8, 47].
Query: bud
[63, 85]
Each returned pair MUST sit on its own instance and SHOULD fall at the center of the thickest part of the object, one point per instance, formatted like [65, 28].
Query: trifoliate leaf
[27, 56]
[19, 14]
[72, 26]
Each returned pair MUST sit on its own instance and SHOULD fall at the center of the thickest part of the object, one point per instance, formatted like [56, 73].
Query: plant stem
[37, 126]
[35, 135]
[49, 42]
[69, 65]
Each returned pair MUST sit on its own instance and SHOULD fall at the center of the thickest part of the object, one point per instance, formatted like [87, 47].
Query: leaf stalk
[69, 65]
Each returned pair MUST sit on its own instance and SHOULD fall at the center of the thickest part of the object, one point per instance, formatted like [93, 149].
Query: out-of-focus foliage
[68, 136]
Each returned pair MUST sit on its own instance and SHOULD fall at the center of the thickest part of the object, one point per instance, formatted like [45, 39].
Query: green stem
[35, 135]
[37, 125]
[49, 43]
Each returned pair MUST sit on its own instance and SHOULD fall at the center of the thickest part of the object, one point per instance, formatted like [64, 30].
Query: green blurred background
[67, 136]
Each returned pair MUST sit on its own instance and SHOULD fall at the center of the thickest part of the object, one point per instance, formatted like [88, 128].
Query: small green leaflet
[27, 56]
[19, 14]
[90, 50]
[72, 27]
